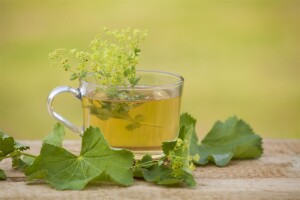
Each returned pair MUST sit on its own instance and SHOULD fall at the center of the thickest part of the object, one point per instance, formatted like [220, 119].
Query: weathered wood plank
[276, 175]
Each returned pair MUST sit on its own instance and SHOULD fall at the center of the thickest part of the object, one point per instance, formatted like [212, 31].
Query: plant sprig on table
[9, 148]
[97, 162]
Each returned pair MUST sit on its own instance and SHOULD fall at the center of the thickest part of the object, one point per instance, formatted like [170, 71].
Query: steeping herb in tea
[136, 126]
[111, 62]
[135, 109]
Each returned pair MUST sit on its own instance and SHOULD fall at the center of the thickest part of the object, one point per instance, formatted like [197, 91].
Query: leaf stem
[4, 157]
[145, 164]
[27, 154]
[148, 124]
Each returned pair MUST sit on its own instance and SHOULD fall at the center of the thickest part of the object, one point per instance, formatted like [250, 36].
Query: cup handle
[61, 89]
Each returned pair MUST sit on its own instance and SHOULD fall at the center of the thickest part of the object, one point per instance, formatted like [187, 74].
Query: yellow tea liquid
[139, 126]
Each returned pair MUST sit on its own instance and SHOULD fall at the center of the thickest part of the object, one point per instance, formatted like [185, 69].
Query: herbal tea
[135, 109]
[139, 126]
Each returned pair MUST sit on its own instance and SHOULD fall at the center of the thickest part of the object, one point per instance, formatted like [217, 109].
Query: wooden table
[276, 175]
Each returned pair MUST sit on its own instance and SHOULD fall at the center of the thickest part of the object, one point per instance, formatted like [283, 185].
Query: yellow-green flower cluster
[112, 58]
[179, 159]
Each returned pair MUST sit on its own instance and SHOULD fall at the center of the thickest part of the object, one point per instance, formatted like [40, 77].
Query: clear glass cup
[136, 118]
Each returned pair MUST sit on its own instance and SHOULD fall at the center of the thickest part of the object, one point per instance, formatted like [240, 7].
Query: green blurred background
[238, 58]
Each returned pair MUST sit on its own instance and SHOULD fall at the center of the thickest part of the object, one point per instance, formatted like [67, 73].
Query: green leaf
[21, 147]
[21, 162]
[2, 175]
[180, 147]
[133, 126]
[28, 159]
[56, 136]
[9, 145]
[12, 149]
[168, 146]
[68, 171]
[117, 110]
[134, 81]
[189, 179]
[101, 113]
[146, 162]
[233, 139]
[38, 175]
[162, 175]
[18, 163]
[74, 76]
[146, 159]
[157, 174]
[175, 170]
[187, 120]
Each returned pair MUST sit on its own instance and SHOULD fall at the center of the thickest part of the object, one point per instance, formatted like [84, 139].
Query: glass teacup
[136, 118]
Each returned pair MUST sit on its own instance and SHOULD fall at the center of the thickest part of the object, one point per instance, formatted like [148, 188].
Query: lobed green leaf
[56, 137]
[8, 146]
[64, 170]
[233, 139]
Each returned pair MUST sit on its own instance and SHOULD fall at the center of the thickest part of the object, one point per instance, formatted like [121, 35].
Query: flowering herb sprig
[112, 61]
[112, 58]
[175, 167]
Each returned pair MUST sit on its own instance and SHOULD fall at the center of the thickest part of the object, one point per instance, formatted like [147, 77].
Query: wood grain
[276, 175]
